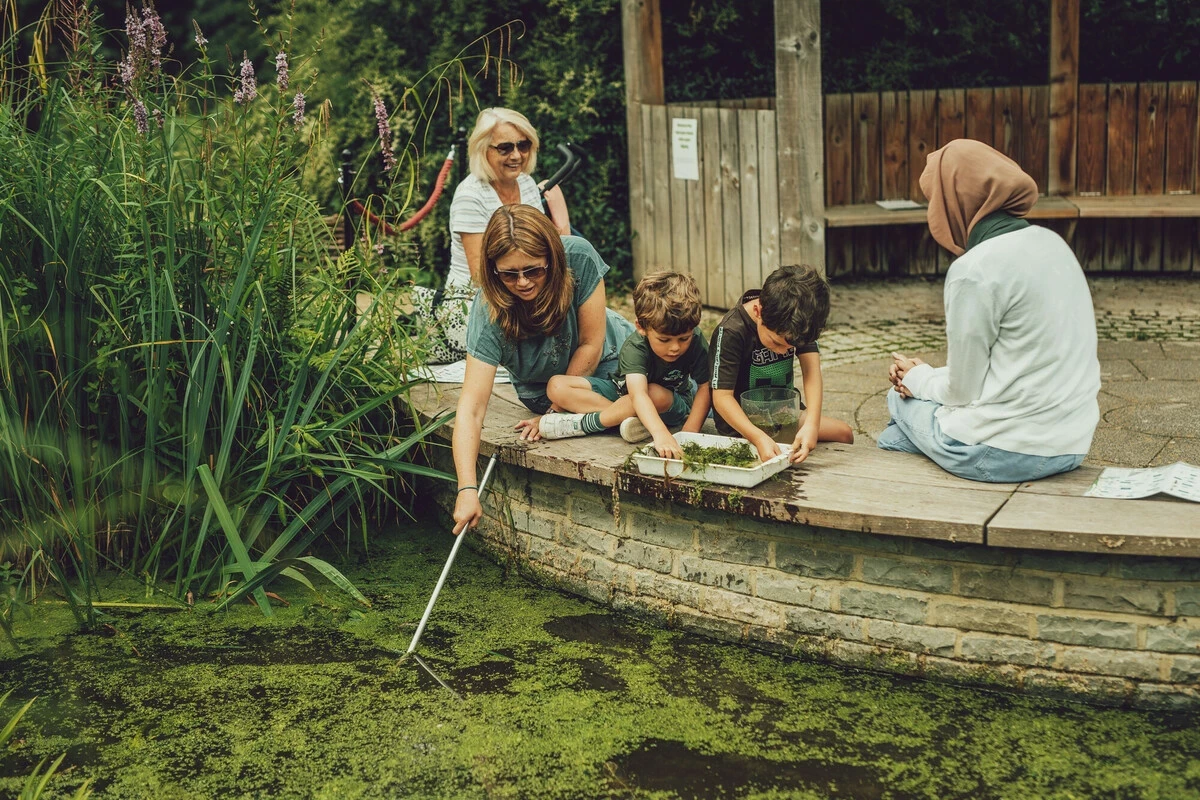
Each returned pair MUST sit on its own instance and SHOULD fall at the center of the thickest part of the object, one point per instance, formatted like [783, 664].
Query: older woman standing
[1016, 400]
[502, 153]
[541, 312]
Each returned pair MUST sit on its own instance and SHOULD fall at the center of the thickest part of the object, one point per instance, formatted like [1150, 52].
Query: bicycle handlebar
[575, 156]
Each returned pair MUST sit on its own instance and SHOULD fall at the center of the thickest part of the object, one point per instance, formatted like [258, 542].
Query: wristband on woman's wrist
[462, 489]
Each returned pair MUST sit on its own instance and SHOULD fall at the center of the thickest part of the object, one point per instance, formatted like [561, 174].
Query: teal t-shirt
[532, 362]
[637, 358]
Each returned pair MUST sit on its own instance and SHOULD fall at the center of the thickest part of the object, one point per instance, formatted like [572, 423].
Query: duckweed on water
[559, 699]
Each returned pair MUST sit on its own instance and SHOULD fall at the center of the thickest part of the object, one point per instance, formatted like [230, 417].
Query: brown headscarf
[965, 181]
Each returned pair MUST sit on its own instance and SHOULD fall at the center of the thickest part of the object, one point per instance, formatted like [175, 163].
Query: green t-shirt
[637, 358]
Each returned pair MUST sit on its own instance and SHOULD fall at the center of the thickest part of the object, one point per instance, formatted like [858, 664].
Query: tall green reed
[186, 392]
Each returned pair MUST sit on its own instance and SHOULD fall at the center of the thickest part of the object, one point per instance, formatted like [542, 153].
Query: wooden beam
[1064, 94]
[799, 134]
[641, 29]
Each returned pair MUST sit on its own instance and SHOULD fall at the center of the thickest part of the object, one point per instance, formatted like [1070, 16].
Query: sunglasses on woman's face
[513, 276]
[504, 148]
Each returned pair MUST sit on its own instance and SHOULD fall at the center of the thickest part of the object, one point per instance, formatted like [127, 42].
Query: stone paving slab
[1149, 349]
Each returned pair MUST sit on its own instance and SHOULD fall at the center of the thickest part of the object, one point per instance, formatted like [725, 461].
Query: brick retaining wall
[1118, 629]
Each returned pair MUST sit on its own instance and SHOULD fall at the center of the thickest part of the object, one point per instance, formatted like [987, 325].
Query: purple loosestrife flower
[248, 90]
[281, 71]
[385, 134]
[139, 117]
[298, 110]
[158, 116]
[136, 33]
[153, 28]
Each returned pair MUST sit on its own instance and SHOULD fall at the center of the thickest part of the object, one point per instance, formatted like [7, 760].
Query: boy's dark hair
[667, 302]
[795, 303]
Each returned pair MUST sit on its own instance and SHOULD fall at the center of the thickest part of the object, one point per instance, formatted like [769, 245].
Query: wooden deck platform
[861, 488]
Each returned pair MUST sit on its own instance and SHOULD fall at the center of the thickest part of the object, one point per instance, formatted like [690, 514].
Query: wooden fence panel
[1008, 121]
[640, 202]
[1181, 138]
[660, 189]
[866, 178]
[1093, 131]
[693, 201]
[839, 180]
[1150, 172]
[680, 256]
[731, 204]
[922, 140]
[747, 122]
[839, 154]
[893, 133]
[895, 245]
[714, 231]
[952, 120]
[1122, 136]
[1035, 135]
[1181, 173]
[979, 115]
[768, 180]
[866, 147]
[1089, 171]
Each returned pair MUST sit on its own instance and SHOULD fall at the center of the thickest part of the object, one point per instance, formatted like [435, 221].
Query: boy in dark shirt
[754, 345]
[662, 377]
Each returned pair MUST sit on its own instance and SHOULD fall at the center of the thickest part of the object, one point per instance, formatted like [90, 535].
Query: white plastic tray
[711, 473]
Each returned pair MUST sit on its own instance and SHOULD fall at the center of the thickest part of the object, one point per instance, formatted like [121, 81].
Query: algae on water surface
[559, 699]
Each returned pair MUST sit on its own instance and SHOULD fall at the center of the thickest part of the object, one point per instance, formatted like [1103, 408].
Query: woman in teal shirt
[543, 314]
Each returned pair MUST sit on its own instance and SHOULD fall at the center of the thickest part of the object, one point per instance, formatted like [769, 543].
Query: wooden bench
[861, 488]
[1075, 207]
[1141, 206]
[872, 214]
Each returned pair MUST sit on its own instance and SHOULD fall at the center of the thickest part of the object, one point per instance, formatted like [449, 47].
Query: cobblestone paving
[848, 343]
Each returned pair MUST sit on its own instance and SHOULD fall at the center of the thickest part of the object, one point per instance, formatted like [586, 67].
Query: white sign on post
[684, 148]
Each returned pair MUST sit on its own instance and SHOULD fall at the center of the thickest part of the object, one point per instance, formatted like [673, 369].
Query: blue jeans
[914, 429]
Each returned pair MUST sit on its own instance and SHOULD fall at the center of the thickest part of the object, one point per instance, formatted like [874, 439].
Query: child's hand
[667, 447]
[805, 441]
[766, 446]
[529, 428]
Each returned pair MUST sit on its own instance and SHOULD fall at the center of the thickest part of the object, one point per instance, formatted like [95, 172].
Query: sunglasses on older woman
[504, 148]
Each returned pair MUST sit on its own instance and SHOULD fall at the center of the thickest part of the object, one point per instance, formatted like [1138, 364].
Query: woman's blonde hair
[524, 228]
[481, 137]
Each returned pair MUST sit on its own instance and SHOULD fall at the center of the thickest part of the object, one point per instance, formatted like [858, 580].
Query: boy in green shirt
[662, 375]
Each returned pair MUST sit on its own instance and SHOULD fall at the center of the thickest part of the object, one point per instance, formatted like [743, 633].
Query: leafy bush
[187, 390]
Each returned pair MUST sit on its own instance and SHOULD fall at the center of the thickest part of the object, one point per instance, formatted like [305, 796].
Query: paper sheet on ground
[1178, 479]
[452, 373]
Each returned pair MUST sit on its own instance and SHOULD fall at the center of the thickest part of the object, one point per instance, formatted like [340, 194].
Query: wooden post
[1064, 94]
[798, 132]
[641, 29]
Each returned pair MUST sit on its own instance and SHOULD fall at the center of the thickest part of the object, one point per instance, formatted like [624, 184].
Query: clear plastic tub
[775, 410]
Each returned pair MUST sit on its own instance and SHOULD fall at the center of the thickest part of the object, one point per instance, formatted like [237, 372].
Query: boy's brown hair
[795, 303]
[667, 302]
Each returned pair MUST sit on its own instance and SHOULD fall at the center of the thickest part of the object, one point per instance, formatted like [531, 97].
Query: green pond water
[553, 697]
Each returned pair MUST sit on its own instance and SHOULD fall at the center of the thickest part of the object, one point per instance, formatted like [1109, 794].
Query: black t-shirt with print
[740, 360]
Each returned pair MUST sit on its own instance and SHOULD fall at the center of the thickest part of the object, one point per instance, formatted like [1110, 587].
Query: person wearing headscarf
[1017, 399]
